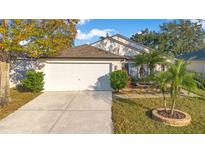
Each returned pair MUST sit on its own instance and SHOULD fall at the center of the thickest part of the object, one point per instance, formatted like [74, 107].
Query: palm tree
[141, 60]
[151, 59]
[161, 79]
[179, 77]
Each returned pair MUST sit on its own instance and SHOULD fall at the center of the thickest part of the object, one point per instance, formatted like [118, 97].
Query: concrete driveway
[84, 112]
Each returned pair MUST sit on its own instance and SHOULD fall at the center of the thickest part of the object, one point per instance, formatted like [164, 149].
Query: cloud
[83, 21]
[139, 32]
[202, 22]
[93, 33]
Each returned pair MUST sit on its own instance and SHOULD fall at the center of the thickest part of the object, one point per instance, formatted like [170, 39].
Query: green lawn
[133, 116]
[18, 99]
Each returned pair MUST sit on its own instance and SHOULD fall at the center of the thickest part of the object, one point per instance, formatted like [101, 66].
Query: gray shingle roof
[195, 55]
[87, 51]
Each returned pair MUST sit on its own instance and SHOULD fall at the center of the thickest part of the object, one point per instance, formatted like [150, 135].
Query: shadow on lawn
[148, 110]
[126, 101]
[149, 114]
[201, 98]
[133, 103]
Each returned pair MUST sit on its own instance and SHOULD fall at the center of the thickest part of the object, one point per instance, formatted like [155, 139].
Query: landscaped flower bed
[178, 118]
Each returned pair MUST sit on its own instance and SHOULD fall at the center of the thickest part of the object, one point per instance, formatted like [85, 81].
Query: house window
[125, 66]
[115, 67]
[132, 69]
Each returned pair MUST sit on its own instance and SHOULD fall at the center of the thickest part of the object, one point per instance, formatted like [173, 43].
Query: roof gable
[140, 47]
[129, 40]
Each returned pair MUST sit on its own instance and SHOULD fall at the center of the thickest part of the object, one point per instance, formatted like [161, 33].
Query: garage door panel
[65, 77]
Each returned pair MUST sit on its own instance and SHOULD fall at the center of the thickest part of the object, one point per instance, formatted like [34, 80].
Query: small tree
[119, 79]
[162, 80]
[151, 59]
[179, 77]
[32, 38]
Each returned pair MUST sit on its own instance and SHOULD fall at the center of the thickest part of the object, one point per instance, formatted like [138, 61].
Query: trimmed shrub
[34, 81]
[119, 79]
[200, 78]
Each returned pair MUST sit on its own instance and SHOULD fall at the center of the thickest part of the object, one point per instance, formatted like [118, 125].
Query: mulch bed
[176, 114]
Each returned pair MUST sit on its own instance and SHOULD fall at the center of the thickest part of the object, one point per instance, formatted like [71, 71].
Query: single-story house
[85, 67]
[197, 61]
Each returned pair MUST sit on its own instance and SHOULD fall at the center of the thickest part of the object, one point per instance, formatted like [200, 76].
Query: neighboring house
[85, 67]
[197, 61]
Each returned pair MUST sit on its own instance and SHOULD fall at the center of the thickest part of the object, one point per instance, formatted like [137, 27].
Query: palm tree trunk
[165, 102]
[173, 105]
[151, 70]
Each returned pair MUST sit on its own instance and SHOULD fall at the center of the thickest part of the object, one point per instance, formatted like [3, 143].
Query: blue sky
[90, 30]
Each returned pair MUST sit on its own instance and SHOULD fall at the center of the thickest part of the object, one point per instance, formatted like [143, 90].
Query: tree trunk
[142, 72]
[173, 105]
[4, 68]
[4, 82]
[151, 70]
[165, 102]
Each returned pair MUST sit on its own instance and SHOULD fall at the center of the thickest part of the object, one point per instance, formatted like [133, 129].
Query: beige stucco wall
[116, 63]
[20, 66]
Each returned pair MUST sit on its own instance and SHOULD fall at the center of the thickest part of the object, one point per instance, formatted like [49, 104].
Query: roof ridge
[79, 45]
[85, 51]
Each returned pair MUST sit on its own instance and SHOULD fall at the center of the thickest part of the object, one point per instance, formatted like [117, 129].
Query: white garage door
[68, 77]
